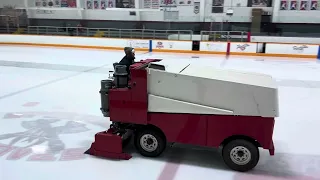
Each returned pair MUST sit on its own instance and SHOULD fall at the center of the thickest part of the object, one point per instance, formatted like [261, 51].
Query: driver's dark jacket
[127, 61]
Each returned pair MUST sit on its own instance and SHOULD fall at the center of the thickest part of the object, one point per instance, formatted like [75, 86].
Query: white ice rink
[50, 111]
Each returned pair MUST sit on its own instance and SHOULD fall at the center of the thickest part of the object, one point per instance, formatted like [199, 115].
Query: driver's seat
[115, 64]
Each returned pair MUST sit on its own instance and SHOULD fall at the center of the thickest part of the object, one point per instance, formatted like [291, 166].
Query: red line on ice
[169, 171]
[30, 104]
[171, 168]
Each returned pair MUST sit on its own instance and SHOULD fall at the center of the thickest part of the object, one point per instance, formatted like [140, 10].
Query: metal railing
[234, 36]
[7, 30]
[107, 32]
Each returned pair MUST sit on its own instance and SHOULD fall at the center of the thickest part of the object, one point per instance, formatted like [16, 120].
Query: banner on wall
[103, 4]
[151, 4]
[111, 4]
[88, 4]
[217, 6]
[125, 3]
[56, 3]
[314, 5]
[41, 3]
[217, 2]
[95, 4]
[68, 3]
[283, 5]
[100, 4]
[293, 5]
[196, 7]
[44, 3]
[168, 3]
[37, 3]
[303, 5]
[259, 3]
[64, 3]
[155, 4]
[185, 2]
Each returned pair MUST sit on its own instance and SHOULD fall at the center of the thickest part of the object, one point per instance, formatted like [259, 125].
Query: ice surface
[49, 113]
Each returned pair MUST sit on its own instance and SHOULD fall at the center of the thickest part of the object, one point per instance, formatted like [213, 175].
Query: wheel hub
[148, 142]
[240, 155]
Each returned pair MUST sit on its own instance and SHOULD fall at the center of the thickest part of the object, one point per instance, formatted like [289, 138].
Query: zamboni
[198, 106]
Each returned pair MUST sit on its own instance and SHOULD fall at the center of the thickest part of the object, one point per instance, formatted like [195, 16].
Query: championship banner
[168, 3]
[283, 5]
[293, 5]
[96, 4]
[314, 5]
[64, 3]
[218, 3]
[185, 3]
[151, 4]
[37, 3]
[57, 3]
[303, 5]
[89, 4]
[103, 4]
[111, 3]
[44, 3]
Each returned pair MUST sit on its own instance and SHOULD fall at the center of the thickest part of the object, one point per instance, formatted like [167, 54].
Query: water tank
[105, 86]
[121, 76]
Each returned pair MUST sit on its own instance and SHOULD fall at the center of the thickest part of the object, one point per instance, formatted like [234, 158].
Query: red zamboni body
[203, 107]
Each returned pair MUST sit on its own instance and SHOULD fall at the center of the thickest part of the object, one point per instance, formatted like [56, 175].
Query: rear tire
[240, 155]
[150, 143]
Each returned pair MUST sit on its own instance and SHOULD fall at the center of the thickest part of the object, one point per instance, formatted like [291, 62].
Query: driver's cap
[128, 50]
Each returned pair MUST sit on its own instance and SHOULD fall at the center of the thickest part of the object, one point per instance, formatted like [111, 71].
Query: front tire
[240, 155]
[150, 143]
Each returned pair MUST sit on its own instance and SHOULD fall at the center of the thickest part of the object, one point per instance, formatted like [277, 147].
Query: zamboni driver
[128, 59]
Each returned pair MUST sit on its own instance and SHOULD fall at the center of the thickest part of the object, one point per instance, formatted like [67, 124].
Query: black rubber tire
[159, 137]
[254, 151]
